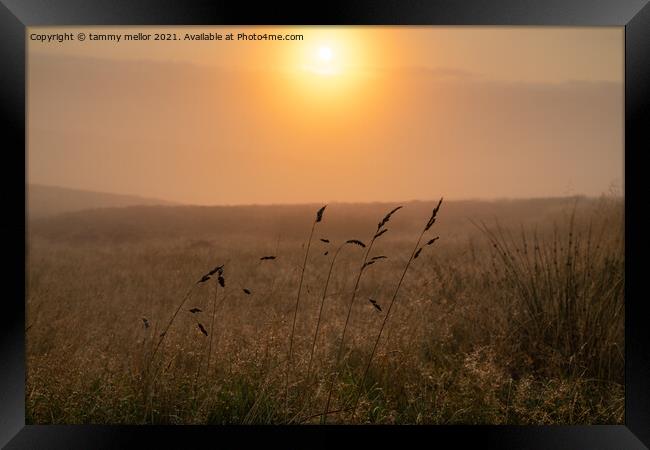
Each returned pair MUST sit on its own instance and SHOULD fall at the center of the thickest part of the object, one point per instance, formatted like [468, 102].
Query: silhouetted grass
[319, 218]
[378, 233]
[499, 324]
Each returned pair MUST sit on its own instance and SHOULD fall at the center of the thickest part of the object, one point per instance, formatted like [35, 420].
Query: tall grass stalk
[169, 324]
[379, 232]
[319, 217]
[214, 314]
[414, 254]
[320, 311]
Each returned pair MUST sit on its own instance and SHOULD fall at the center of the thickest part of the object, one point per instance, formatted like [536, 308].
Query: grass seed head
[203, 330]
[375, 304]
[380, 233]
[386, 218]
[432, 220]
[216, 269]
[319, 214]
[203, 279]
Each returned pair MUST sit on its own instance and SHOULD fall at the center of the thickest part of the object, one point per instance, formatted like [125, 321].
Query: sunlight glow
[325, 53]
[329, 71]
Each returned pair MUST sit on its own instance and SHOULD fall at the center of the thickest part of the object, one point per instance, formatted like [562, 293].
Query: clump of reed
[564, 294]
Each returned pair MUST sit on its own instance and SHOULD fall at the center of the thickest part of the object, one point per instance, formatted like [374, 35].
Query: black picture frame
[16, 15]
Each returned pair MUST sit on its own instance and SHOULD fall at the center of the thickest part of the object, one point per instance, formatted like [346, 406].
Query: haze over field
[394, 114]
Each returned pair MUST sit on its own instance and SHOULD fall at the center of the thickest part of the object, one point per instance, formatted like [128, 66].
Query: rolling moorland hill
[144, 221]
[45, 201]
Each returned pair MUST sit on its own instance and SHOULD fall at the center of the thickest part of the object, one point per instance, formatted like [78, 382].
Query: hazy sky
[346, 114]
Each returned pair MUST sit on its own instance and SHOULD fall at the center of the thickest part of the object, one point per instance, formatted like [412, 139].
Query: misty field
[220, 315]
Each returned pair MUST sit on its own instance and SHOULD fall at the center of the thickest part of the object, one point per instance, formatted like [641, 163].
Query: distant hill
[44, 201]
[264, 223]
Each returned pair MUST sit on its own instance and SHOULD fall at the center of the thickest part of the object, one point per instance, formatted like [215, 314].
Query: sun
[328, 63]
[325, 61]
[325, 54]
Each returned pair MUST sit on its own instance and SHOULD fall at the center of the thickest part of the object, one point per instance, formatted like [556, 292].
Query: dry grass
[517, 319]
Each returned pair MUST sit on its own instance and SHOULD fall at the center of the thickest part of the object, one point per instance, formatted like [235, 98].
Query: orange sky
[346, 114]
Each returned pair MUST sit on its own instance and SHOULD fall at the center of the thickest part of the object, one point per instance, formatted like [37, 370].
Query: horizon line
[166, 202]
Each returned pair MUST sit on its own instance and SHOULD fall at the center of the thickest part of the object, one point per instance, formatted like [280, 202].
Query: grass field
[514, 315]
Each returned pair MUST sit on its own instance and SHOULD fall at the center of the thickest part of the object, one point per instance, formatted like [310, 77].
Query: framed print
[355, 221]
